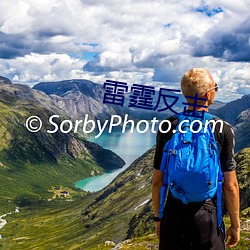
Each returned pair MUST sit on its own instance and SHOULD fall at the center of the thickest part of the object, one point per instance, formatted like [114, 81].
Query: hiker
[196, 225]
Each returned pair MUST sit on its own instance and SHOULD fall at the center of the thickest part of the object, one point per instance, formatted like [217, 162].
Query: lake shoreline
[129, 146]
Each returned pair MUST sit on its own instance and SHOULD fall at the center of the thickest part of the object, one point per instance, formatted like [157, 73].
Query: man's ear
[207, 95]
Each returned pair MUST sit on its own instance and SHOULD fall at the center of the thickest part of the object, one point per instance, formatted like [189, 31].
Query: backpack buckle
[172, 152]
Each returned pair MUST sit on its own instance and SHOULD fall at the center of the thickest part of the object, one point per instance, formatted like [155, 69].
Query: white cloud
[114, 60]
[131, 77]
[34, 68]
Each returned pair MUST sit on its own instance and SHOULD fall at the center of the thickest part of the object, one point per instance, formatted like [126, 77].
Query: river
[128, 146]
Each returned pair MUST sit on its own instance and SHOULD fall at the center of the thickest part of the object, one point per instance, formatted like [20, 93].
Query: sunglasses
[216, 87]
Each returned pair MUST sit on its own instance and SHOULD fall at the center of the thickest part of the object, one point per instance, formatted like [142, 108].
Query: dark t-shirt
[225, 141]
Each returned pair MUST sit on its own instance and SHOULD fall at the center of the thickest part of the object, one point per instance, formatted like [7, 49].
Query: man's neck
[197, 108]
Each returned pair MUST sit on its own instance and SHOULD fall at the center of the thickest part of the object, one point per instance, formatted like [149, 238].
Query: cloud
[34, 68]
[231, 45]
[37, 17]
[152, 42]
[12, 46]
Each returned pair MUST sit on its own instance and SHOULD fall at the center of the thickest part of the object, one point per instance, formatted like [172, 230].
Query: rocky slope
[242, 130]
[79, 97]
[126, 206]
[243, 175]
[232, 110]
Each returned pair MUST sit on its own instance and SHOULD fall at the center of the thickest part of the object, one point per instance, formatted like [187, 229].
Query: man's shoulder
[227, 127]
[172, 119]
[219, 123]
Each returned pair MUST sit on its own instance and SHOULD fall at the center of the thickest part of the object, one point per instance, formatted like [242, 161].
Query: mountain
[232, 110]
[216, 105]
[242, 130]
[120, 211]
[32, 163]
[79, 97]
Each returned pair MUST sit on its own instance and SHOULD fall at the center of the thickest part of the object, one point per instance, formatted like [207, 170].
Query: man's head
[200, 81]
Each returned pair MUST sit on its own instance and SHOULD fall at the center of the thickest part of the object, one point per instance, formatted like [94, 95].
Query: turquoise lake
[128, 146]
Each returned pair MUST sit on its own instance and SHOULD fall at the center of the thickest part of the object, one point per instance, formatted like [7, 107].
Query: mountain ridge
[4, 80]
[68, 95]
[230, 111]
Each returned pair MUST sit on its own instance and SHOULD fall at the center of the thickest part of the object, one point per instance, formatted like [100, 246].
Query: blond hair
[197, 80]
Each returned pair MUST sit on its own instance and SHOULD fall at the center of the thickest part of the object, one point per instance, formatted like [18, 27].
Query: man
[194, 225]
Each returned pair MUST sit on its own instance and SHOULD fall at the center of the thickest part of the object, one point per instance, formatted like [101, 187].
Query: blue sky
[142, 42]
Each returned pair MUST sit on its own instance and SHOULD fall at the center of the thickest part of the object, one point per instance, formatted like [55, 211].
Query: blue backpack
[191, 164]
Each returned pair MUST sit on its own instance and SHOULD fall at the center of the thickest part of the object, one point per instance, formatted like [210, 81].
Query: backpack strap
[164, 188]
[209, 116]
[163, 194]
[164, 169]
[218, 200]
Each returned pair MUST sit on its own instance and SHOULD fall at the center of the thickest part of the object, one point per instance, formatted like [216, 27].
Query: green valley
[121, 213]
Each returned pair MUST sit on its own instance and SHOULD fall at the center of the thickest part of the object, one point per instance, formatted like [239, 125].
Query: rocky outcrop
[106, 158]
[4, 80]
[243, 175]
[242, 130]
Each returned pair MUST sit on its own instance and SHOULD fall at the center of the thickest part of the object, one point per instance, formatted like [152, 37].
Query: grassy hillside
[123, 210]
[86, 222]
